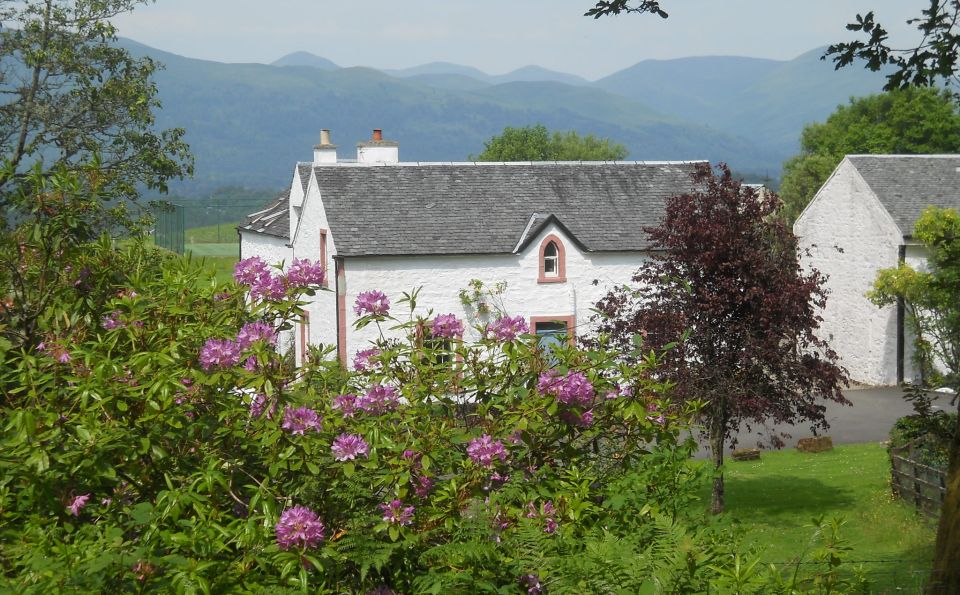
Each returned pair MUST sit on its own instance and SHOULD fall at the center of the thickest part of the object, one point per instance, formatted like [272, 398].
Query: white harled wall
[306, 244]
[442, 277]
[850, 237]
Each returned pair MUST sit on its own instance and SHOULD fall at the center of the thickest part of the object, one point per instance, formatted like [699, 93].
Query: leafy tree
[70, 97]
[725, 290]
[932, 301]
[615, 7]
[931, 62]
[535, 143]
[908, 121]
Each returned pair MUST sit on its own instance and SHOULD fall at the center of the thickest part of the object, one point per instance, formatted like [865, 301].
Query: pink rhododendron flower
[361, 361]
[250, 270]
[531, 583]
[255, 273]
[299, 527]
[111, 321]
[77, 503]
[257, 405]
[372, 302]
[423, 485]
[446, 326]
[346, 404]
[396, 513]
[219, 353]
[484, 449]
[379, 399]
[256, 331]
[301, 419]
[572, 389]
[303, 273]
[347, 447]
[507, 328]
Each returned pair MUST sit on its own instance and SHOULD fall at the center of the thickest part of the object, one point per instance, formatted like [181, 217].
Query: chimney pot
[324, 136]
[377, 134]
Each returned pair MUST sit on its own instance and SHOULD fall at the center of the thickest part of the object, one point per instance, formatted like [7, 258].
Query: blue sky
[500, 35]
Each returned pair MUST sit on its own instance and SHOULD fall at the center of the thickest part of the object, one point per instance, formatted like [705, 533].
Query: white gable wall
[850, 237]
[306, 244]
[442, 277]
[272, 249]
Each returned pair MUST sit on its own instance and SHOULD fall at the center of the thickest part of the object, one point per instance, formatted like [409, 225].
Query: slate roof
[273, 219]
[907, 184]
[486, 208]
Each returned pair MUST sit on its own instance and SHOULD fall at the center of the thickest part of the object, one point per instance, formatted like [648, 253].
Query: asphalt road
[868, 419]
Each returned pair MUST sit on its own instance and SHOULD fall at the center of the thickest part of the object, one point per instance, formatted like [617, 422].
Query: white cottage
[559, 234]
[860, 221]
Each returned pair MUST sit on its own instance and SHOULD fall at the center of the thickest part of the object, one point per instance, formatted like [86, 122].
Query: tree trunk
[717, 432]
[946, 558]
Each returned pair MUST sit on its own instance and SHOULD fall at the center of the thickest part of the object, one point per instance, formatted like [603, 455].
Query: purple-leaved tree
[726, 290]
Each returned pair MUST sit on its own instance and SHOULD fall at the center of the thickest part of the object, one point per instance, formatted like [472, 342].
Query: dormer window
[553, 266]
[551, 260]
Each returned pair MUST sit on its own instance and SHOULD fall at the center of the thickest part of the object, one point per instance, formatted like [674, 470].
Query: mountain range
[248, 124]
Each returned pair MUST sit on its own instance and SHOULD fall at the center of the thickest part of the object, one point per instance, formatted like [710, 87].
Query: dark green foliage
[909, 121]
[928, 436]
[71, 97]
[536, 143]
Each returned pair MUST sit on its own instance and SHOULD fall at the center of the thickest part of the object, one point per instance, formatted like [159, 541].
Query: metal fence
[923, 485]
[204, 226]
[168, 232]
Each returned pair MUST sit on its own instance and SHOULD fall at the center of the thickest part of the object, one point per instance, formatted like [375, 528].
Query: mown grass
[222, 266]
[223, 233]
[775, 499]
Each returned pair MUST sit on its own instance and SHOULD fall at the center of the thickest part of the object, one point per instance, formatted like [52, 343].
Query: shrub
[160, 441]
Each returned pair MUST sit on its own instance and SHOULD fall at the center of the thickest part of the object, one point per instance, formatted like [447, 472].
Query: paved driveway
[869, 419]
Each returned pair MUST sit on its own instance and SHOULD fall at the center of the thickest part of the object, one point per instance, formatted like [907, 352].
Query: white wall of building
[272, 249]
[306, 244]
[442, 277]
[850, 237]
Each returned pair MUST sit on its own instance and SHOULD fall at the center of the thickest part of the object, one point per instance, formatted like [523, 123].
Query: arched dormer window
[553, 262]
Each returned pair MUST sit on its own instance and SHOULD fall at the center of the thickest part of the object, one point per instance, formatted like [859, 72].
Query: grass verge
[774, 500]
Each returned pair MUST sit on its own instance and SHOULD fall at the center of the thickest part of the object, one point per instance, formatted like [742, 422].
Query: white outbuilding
[859, 222]
[558, 234]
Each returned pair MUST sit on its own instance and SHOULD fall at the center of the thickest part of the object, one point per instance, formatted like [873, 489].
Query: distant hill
[249, 123]
[305, 59]
[524, 74]
[768, 101]
[698, 89]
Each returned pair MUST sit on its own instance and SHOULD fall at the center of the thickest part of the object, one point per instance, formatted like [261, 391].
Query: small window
[553, 267]
[550, 333]
[438, 350]
[323, 257]
[551, 330]
[551, 257]
[434, 350]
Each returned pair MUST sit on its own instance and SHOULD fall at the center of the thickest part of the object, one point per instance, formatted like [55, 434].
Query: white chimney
[325, 152]
[377, 150]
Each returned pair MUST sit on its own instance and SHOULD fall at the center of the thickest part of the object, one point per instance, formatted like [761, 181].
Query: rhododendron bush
[162, 441]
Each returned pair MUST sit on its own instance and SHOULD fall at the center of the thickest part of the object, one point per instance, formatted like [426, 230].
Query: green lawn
[223, 233]
[213, 249]
[775, 499]
[222, 266]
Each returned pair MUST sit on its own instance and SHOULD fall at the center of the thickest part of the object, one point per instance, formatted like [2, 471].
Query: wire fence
[203, 227]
